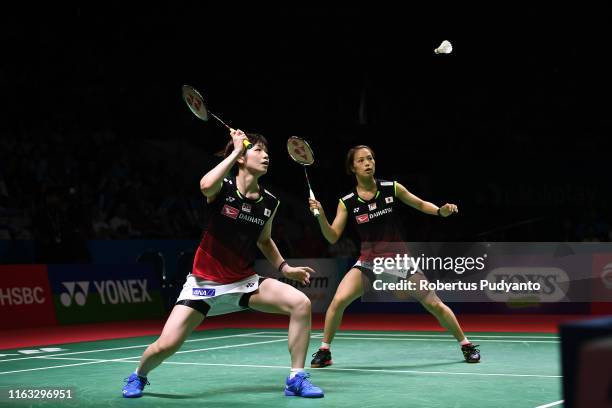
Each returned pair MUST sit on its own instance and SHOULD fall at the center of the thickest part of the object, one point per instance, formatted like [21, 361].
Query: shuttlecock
[444, 48]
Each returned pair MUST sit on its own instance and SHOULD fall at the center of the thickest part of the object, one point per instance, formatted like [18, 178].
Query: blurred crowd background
[96, 143]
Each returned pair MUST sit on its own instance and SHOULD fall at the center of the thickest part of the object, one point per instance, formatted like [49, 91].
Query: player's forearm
[211, 180]
[270, 251]
[429, 208]
[328, 232]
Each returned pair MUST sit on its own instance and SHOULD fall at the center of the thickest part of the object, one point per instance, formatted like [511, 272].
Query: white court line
[131, 347]
[136, 357]
[473, 339]
[377, 371]
[552, 404]
[432, 335]
[447, 335]
[123, 360]
[100, 360]
[426, 339]
[127, 358]
[46, 368]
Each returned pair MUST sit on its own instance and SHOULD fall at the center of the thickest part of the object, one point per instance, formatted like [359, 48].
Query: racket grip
[247, 144]
[316, 210]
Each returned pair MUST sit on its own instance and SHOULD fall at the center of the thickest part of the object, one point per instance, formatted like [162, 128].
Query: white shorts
[401, 273]
[219, 298]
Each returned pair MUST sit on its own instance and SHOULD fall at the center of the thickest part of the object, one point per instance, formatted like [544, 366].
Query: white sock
[294, 371]
[464, 341]
[138, 374]
[325, 345]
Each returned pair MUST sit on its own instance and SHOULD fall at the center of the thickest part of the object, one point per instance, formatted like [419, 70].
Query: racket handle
[247, 144]
[316, 210]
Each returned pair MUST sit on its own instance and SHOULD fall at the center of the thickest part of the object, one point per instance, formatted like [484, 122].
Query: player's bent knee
[302, 305]
[167, 348]
[340, 303]
[436, 306]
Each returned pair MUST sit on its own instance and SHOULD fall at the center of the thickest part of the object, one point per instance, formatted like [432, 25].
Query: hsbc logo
[21, 296]
[111, 292]
[362, 218]
[230, 211]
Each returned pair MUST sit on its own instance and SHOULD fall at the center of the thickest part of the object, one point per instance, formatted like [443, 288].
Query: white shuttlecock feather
[444, 48]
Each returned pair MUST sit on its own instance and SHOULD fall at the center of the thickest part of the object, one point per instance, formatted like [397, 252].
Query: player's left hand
[448, 209]
[298, 273]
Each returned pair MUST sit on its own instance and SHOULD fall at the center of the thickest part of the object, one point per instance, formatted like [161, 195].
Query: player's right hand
[299, 273]
[238, 137]
[314, 204]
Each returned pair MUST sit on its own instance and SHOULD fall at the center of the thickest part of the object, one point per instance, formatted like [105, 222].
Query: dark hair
[253, 138]
[351, 155]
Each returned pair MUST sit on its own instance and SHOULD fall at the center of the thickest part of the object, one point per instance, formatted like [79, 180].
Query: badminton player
[370, 207]
[223, 280]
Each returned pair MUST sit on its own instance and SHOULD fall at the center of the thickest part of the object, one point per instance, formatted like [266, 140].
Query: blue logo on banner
[203, 292]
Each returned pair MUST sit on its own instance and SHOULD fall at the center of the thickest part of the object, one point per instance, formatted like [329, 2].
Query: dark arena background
[101, 211]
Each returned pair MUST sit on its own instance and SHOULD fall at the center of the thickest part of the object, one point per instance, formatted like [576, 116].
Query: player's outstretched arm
[410, 199]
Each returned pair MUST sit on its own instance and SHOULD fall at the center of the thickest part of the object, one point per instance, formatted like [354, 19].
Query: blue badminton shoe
[299, 386]
[134, 385]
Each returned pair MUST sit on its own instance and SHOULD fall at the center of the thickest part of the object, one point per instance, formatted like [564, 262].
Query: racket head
[299, 150]
[195, 102]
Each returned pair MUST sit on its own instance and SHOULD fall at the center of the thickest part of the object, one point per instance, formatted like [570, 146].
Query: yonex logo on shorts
[203, 292]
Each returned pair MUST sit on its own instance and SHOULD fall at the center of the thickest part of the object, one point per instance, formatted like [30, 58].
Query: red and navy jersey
[377, 221]
[228, 248]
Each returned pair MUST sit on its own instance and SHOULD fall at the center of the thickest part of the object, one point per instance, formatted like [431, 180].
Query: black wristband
[280, 267]
[439, 215]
